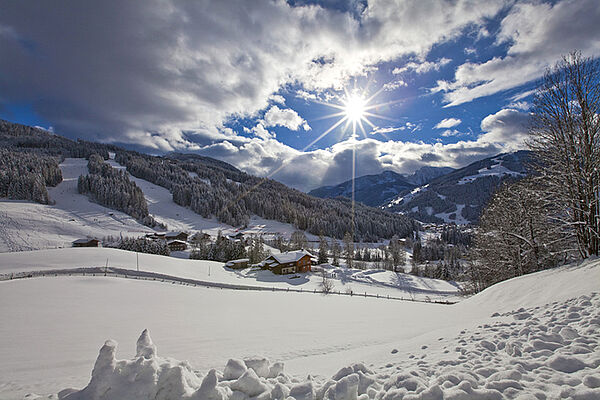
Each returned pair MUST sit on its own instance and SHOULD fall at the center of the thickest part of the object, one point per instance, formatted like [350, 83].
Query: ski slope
[29, 226]
[530, 335]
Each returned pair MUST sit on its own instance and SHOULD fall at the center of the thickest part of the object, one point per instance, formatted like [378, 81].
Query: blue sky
[249, 82]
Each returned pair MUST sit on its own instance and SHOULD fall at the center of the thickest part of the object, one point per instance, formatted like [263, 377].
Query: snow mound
[549, 351]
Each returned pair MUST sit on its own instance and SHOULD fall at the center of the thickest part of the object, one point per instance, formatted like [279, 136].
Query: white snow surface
[536, 336]
[494, 170]
[374, 282]
[31, 226]
[28, 226]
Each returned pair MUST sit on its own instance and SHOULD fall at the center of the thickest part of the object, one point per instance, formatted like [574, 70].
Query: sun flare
[354, 108]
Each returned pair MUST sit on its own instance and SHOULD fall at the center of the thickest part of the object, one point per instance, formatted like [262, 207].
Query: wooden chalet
[238, 264]
[86, 243]
[289, 263]
[177, 245]
[182, 236]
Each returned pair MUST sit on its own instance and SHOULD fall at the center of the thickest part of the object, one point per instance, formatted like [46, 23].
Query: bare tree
[327, 283]
[516, 236]
[565, 138]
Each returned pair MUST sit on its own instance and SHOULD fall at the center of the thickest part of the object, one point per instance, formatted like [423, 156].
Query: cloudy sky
[255, 83]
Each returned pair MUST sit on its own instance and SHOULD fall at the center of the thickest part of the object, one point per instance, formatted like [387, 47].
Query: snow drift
[550, 351]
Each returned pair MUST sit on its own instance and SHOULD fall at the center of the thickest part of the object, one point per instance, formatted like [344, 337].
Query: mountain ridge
[374, 190]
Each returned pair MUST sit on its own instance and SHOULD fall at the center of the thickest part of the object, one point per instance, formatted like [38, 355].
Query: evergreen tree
[348, 250]
[323, 248]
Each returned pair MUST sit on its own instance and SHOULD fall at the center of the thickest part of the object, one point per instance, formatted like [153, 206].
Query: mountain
[372, 190]
[426, 174]
[208, 187]
[379, 189]
[460, 195]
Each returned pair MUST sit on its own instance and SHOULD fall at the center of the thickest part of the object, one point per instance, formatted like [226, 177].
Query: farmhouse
[182, 236]
[86, 243]
[177, 245]
[288, 263]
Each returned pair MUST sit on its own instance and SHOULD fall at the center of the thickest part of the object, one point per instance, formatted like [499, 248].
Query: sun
[354, 108]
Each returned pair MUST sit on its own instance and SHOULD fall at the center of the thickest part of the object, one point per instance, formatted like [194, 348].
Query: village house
[86, 243]
[177, 245]
[182, 236]
[288, 263]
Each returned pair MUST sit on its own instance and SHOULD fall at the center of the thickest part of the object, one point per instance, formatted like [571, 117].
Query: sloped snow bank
[542, 352]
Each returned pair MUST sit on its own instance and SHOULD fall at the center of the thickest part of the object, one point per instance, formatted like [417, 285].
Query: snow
[28, 226]
[536, 336]
[290, 256]
[495, 170]
[163, 209]
[459, 219]
[32, 226]
[373, 282]
[408, 197]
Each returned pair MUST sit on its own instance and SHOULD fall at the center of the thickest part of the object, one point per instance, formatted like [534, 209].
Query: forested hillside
[25, 175]
[112, 188]
[461, 194]
[207, 186]
[213, 189]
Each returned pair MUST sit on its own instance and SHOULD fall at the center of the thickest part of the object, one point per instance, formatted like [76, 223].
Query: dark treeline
[40, 141]
[223, 249]
[140, 245]
[112, 188]
[233, 196]
[25, 175]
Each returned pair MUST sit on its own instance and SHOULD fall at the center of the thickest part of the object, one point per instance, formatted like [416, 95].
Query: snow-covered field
[374, 282]
[535, 335]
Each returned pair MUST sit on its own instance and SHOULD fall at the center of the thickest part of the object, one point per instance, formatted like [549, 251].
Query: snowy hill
[377, 190]
[32, 226]
[210, 188]
[460, 195]
[529, 336]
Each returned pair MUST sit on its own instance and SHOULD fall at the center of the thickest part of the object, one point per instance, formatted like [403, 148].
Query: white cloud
[448, 123]
[287, 117]
[451, 132]
[202, 62]
[503, 131]
[537, 35]
[508, 126]
[275, 98]
[421, 67]
[262, 132]
[393, 85]
[520, 105]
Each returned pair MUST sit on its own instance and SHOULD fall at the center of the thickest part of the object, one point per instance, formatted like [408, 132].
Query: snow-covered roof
[174, 233]
[241, 260]
[176, 241]
[290, 256]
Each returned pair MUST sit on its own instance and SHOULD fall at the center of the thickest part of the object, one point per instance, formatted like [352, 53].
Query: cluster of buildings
[177, 241]
[290, 262]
